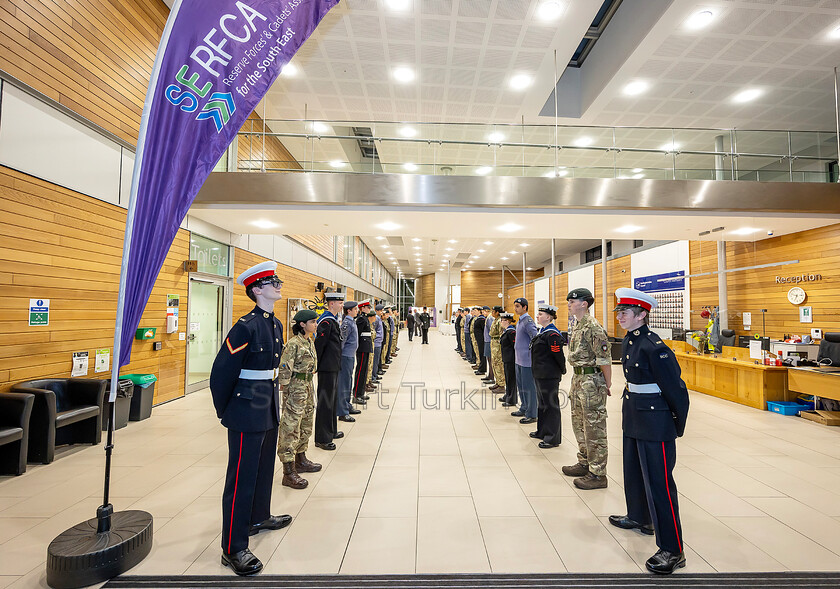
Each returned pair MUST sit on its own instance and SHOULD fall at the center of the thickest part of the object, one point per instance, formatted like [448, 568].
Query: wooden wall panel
[93, 56]
[425, 293]
[818, 252]
[321, 245]
[61, 245]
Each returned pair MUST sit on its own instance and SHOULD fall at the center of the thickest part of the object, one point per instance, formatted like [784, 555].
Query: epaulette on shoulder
[655, 337]
[248, 317]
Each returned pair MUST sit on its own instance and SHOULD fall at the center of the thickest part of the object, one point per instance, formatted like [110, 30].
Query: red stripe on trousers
[668, 488]
[235, 484]
[358, 377]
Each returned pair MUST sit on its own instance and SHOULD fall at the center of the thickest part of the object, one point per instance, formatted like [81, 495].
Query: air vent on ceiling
[395, 241]
[457, 264]
[463, 256]
[403, 262]
[366, 143]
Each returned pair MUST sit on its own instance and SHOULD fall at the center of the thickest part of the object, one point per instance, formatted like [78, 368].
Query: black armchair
[15, 411]
[727, 338]
[65, 411]
[829, 352]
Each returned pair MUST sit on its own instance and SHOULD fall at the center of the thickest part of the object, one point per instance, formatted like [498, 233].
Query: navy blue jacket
[655, 417]
[328, 343]
[255, 342]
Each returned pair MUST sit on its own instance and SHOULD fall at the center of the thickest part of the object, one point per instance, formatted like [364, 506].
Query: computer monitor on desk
[744, 342]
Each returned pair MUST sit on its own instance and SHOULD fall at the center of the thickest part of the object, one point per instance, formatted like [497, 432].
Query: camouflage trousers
[588, 397]
[496, 362]
[475, 347]
[464, 340]
[296, 421]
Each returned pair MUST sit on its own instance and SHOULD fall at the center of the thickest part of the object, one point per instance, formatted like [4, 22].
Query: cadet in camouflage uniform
[297, 365]
[589, 355]
[498, 367]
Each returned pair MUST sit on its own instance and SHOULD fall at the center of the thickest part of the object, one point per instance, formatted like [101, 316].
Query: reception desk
[814, 381]
[741, 380]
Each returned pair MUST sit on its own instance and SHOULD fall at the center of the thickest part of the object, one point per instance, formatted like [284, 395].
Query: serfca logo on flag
[215, 62]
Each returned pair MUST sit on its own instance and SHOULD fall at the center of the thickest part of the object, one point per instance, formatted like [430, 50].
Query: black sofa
[65, 411]
[15, 411]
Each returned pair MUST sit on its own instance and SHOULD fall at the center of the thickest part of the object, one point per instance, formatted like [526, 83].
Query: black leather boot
[242, 563]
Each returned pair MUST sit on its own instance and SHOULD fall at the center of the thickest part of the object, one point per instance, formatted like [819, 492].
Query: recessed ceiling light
[638, 176]
[529, 268]
[744, 231]
[699, 20]
[380, 237]
[513, 252]
[481, 251]
[320, 127]
[337, 164]
[453, 241]
[550, 174]
[408, 131]
[549, 10]
[637, 170]
[409, 167]
[504, 258]
[483, 170]
[747, 95]
[496, 137]
[417, 247]
[635, 88]
[488, 243]
[399, 4]
[415, 239]
[509, 227]
[583, 141]
[404, 74]
[628, 228]
[525, 244]
[445, 255]
[475, 258]
[289, 70]
[449, 249]
[264, 224]
[388, 226]
[492, 267]
[834, 33]
[669, 147]
[520, 81]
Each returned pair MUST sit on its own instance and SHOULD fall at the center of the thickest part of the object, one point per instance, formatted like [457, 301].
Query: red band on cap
[635, 302]
[254, 277]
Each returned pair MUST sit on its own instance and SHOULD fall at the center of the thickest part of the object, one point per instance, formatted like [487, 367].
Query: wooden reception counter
[815, 381]
[739, 380]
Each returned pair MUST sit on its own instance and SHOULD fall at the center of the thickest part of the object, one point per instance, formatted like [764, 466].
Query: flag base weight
[99, 549]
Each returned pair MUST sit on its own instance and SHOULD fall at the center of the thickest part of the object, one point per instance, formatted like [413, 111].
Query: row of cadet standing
[526, 357]
[255, 366]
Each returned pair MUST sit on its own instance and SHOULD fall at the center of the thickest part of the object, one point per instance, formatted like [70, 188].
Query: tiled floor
[447, 481]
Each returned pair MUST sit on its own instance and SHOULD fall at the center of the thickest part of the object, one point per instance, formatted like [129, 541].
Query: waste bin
[125, 391]
[144, 393]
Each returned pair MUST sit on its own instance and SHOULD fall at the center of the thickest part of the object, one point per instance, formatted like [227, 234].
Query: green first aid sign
[39, 312]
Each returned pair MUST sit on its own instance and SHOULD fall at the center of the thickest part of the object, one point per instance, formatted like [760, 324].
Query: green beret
[304, 315]
[371, 313]
[580, 293]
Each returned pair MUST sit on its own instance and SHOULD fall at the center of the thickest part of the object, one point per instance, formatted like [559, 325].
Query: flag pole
[112, 543]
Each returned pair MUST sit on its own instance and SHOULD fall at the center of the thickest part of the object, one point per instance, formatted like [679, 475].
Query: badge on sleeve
[604, 346]
[663, 355]
[235, 350]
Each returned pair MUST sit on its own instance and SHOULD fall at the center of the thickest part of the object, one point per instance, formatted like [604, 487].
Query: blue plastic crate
[785, 408]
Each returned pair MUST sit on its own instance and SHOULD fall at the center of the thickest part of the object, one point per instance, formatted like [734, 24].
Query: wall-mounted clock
[796, 295]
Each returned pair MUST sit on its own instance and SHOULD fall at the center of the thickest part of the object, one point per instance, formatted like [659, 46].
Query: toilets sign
[39, 312]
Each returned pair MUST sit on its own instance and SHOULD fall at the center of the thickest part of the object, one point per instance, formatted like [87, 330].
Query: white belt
[246, 374]
[647, 389]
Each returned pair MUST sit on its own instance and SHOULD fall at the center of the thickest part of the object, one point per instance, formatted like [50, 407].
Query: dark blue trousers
[246, 499]
[650, 490]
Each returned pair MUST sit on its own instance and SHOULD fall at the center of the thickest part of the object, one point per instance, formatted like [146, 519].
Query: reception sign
[660, 282]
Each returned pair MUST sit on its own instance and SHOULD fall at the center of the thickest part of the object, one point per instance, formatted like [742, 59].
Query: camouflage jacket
[298, 362]
[589, 345]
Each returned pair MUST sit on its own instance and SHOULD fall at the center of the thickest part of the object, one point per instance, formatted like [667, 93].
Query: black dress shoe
[242, 563]
[274, 522]
[501, 399]
[664, 562]
[506, 404]
[479, 371]
[534, 435]
[347, 418]
[354, 411]
[338, 435]
[517, 414]
[625, 523]
[360, 401]
[546, 445]
[329, 446]
[365, 397]
[525, 420]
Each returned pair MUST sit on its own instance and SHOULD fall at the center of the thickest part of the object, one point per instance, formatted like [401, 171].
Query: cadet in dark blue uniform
[328, 349]
[654, 410]
[548, 364]
[363, 353]
[507, 342]
[246, 396]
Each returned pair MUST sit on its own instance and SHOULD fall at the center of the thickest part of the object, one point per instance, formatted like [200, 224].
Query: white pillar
[723, 303]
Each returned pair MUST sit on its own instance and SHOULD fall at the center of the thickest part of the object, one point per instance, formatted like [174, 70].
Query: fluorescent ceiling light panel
[404, 74]
[520, 81]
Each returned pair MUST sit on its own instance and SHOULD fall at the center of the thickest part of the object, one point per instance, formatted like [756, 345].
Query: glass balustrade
[536, 150]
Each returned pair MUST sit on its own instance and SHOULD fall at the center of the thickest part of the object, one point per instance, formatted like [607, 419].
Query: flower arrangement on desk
[702, 338]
